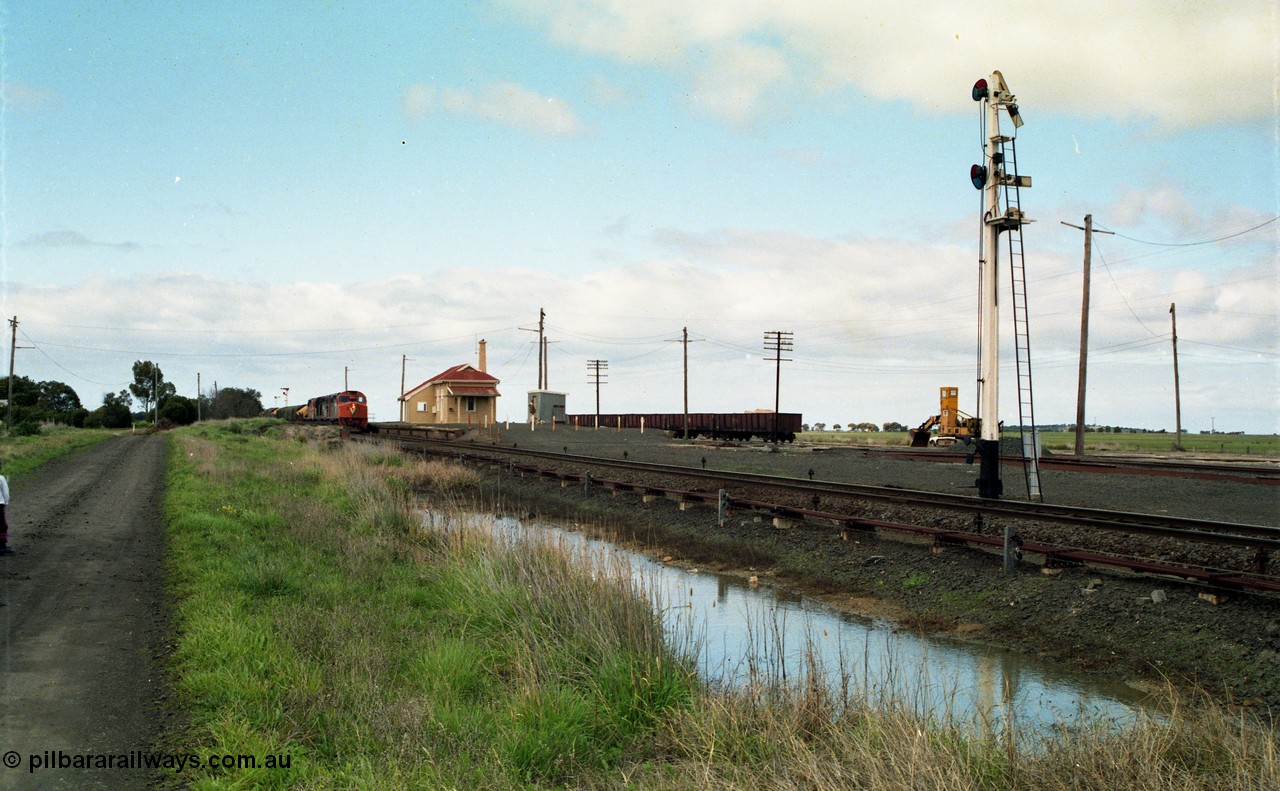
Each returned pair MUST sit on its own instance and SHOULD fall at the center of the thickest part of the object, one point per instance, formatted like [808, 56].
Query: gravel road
[84, 619]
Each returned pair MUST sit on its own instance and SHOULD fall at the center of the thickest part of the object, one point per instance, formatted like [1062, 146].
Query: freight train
[348, 408]
[780, 427]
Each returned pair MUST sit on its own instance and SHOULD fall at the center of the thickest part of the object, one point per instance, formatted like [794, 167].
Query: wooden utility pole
[684, 339]
[346, 370]
[13, 347]
[404, 358]
[542, 346]
[777, 341]
[198, 396]
[684, 335]
[1084, 328]
[1177, 393]
[595, 369]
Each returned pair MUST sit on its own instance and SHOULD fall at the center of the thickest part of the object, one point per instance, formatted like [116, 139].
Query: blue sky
[268, 193]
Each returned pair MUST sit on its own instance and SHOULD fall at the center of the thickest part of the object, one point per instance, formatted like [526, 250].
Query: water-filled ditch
[738, 633]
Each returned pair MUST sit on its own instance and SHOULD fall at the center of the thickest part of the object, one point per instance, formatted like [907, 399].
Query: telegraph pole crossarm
[596, 370]
[778, 341]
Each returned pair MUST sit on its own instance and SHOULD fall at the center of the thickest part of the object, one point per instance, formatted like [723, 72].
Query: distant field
[1227, 444]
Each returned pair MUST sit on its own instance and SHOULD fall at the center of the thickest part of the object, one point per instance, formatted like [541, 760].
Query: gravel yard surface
[1114, 624]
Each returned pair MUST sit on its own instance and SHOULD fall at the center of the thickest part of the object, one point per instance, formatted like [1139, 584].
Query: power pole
[404, 358]
[546, 362]
[778, 341]
[542, 320]
[346, 381]
[13, 348]
[1084, 328]
[596, 370]
[684, 335]
[1177, 392]
[198, 398]
[684, 339]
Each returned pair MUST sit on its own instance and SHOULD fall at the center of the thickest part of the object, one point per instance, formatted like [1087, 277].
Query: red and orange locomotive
[348, 408]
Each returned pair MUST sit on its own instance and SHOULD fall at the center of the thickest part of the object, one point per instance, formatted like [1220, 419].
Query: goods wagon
[716, 425]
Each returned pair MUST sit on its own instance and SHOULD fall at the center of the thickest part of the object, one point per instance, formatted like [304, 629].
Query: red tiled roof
[462, 373]
[458, 373]
[462, 390]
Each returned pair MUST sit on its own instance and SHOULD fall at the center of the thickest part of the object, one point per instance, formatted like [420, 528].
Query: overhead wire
[1189, 244]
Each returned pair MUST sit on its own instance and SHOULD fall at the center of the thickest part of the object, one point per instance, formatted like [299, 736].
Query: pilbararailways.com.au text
[140, 759]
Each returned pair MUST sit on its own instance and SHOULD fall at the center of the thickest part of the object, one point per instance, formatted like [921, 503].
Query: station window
[471, 403]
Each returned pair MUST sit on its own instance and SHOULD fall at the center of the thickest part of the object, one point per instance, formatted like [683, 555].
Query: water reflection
[738, 634]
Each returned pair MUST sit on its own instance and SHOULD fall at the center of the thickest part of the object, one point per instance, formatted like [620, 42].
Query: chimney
[484, 368]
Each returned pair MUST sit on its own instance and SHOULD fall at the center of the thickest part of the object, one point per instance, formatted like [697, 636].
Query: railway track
[796, 500]
[1259, 473]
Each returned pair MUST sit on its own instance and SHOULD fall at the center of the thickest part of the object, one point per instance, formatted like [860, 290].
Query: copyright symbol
[12, 759]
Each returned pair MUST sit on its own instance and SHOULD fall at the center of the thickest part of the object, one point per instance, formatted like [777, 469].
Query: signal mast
[991, 177]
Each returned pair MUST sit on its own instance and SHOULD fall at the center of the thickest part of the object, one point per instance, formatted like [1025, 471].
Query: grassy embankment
[317, 619]
[1264, 445]
[21, 455]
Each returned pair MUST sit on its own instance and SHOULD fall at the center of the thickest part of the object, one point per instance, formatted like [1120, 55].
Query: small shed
[546, 406]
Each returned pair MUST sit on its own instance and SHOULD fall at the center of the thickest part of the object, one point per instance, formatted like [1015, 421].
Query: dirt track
[83, 614]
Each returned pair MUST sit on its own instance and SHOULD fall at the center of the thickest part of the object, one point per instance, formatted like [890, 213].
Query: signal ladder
[1007, 172]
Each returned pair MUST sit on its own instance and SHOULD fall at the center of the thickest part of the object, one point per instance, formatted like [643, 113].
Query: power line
[1193, 244]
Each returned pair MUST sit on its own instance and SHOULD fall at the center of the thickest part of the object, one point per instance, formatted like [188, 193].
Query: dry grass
[396, 651]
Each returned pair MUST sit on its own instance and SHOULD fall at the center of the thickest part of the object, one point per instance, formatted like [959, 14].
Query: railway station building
[464, 395]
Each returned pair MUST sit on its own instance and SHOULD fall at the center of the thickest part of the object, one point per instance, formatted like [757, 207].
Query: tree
[893, 425]
[149, 385]
[58, 397]
[178, 410]
[836, 427]
[235, 402]
[26, 392]
[40, 401]
[114, 412]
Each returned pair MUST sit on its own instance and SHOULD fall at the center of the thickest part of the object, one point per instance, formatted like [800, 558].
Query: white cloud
[503, 102]
[865, 312]
[1181, 63]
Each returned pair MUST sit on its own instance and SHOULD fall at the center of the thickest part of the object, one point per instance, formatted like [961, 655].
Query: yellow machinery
[952, 424]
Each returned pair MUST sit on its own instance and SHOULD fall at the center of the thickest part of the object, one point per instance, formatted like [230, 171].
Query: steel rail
[1209, 470]
[1251, 536]
[1054, 556]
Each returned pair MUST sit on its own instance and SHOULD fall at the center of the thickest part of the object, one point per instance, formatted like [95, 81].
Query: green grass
[21, 455]
[317, 619]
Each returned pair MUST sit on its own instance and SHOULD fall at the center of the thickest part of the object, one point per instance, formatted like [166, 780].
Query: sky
[309, 195]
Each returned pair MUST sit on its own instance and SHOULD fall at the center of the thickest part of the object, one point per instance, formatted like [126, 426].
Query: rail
[1261, 539]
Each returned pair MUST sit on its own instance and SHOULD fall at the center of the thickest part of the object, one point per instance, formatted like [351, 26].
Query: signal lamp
[980, 90]
[978, 175]
[1015, 116]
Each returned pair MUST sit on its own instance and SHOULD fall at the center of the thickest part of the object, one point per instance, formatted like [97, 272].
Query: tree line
[34, 403]
[890, 426]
